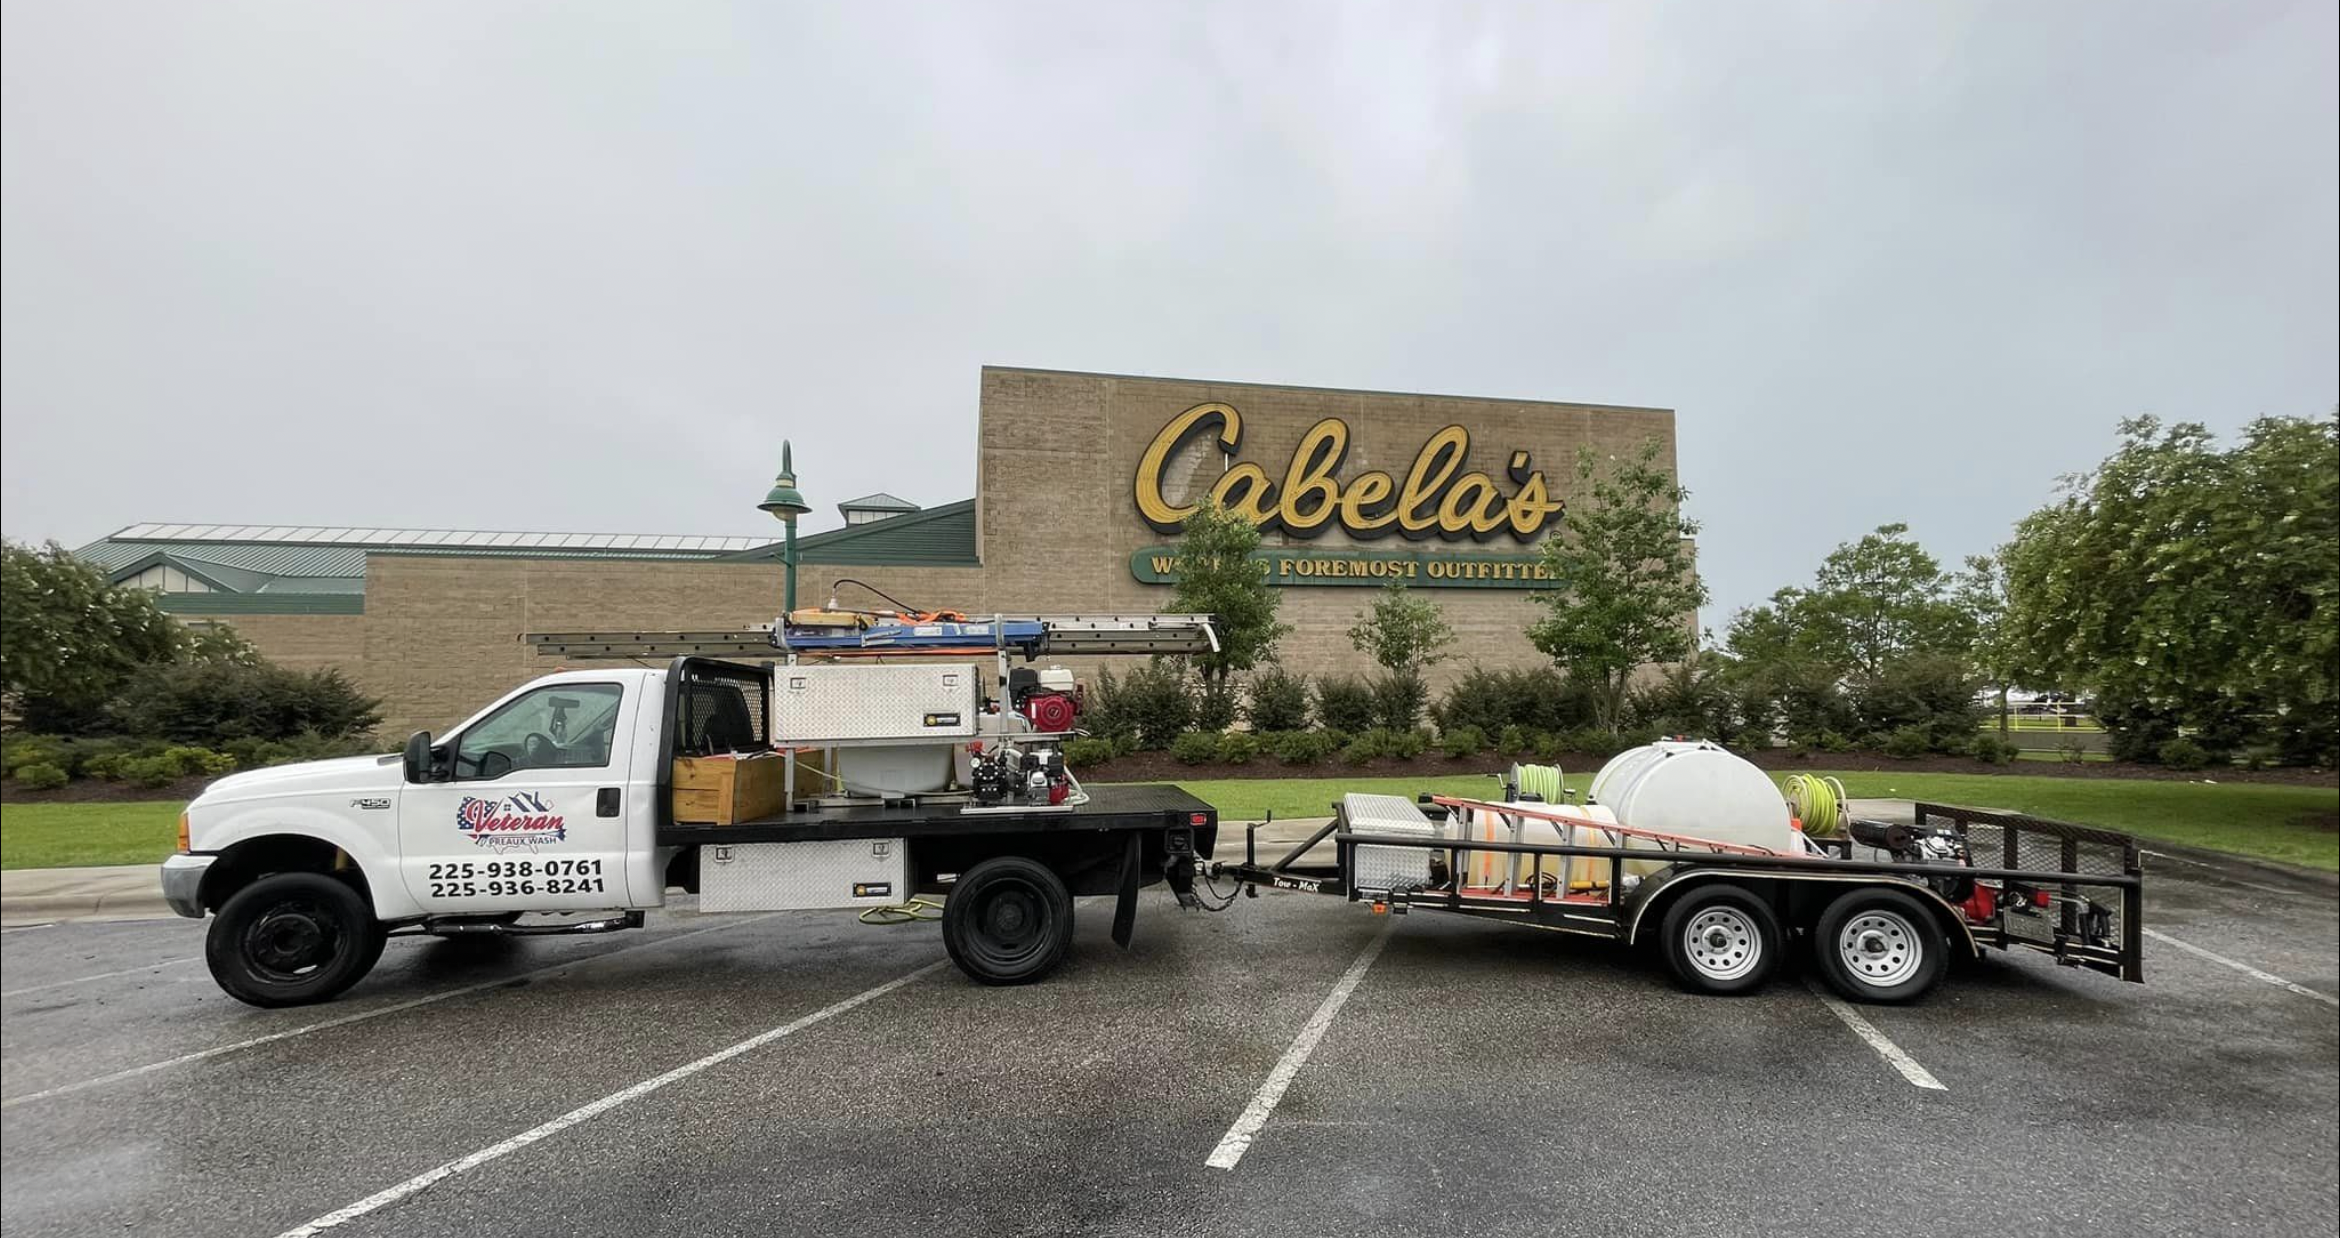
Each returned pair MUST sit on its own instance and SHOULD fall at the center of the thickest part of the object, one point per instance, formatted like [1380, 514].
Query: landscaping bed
[1162, 767]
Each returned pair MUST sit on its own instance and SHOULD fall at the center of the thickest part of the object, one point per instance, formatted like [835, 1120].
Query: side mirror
[418, 757]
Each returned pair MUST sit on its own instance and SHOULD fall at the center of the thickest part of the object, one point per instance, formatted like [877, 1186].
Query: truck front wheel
[292, 939]
[1009, 920]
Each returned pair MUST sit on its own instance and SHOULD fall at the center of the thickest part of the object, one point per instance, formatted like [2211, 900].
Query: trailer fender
[1663, 889]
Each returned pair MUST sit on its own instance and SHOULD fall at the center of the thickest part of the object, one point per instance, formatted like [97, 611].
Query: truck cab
[555, 800]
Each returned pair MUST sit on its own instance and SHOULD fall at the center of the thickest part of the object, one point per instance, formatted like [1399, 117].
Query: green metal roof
[262, 603]
[936, 537]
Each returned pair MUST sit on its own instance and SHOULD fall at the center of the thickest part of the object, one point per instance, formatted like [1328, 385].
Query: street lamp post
[786, 505]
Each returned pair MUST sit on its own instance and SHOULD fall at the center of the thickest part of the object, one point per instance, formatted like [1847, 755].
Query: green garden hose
[1540, 780]
[903, 913]
[1817, 803]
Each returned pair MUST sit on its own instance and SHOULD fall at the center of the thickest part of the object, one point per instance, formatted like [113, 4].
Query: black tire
[1721, 940]
[292, 939]
[1880, 946]
[1009, 920]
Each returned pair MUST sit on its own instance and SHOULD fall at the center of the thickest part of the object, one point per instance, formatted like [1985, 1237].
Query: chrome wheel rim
[1722, 943]
[1880, 948]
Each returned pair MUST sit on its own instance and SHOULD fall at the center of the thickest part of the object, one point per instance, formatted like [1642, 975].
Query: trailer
[1881, 911]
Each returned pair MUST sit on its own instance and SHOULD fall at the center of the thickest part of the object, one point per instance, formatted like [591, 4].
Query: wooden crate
[729, 790]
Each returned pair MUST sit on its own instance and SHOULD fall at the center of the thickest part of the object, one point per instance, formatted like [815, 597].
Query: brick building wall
[1057, 523]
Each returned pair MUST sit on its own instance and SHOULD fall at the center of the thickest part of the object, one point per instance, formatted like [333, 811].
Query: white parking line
[360, 1017]
[104, 975]
[1918, 1075]
[424, 1181]
[2245, 968]
[1255, 1115]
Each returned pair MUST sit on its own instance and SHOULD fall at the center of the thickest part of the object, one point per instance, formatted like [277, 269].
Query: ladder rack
[1027, 635]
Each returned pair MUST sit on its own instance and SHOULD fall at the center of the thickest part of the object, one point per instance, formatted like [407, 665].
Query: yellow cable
[902, 913]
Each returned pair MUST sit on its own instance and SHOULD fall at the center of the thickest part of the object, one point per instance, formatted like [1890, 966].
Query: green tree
[1403, 631]
[1877, 599]
[1980, 592]
[69, 639]
[1218, 577]
[1625, 590]
[2191, 586]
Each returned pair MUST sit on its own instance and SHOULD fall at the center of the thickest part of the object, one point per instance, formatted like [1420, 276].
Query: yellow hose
[902, 913]
[1542, 780]
[1817, 803]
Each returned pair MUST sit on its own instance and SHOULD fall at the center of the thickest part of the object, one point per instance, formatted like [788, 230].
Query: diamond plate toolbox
[842, 872]
[863, 702]
[1387, 868]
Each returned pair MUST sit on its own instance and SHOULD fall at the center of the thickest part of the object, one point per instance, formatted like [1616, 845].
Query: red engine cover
[1051, 711]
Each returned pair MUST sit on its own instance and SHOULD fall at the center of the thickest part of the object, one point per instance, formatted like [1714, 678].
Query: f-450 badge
[521, 821]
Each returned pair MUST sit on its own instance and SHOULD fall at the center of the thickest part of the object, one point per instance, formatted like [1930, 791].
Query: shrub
[1590, 741]
[1238, 747]
[1344, 703]
[39, 776]
[1150, 704]
[2183, 753]
[1279, 700]
[1908, 743]
[18, 751]
[2073, 749]
[1398, 698]
[1372, 745]
[1087, 752]
[1514, 741]
[1301, 747]
[1932, 692]
[1539, 698]
[1991, 750]
[214, 702]
[1465, 741]
[1406, 745]
[1214, 705]
[154, 771]
[1195, 747]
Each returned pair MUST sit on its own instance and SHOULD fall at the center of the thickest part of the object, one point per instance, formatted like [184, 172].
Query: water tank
[1698, 789]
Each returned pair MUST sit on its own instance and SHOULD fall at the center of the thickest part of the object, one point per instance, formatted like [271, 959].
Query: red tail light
[2039, 898]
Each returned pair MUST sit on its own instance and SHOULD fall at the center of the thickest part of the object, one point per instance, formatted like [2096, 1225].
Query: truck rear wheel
[1720, 940]
[1009, 920]
[292, 939]
[1880, 946]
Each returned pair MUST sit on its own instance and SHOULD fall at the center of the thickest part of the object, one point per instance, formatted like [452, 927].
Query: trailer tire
[1008, 920]
[1880, 946]
[292, 939]
[1721, 940]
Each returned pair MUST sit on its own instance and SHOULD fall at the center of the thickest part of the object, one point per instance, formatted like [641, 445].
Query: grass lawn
[79, 835]
[2271, 822]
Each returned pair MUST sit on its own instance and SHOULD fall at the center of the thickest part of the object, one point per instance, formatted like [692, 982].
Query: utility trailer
[909, 768]
[1882, 910]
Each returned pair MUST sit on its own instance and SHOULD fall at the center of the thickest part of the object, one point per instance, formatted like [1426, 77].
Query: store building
[1080, 480]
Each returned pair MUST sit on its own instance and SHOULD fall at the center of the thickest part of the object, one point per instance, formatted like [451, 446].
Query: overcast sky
[579, 266]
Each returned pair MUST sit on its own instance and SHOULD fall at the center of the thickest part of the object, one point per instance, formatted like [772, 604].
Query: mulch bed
[1161, 767]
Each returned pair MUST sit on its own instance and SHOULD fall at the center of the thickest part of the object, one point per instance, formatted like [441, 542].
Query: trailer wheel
[292, 939]
[1720, 940]
[1009, 920]
[1880, 946]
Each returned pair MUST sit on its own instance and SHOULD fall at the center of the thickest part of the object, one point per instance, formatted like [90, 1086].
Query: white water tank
[1698, 789]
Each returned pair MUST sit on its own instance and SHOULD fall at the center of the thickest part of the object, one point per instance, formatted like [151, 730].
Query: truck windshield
[558, 726]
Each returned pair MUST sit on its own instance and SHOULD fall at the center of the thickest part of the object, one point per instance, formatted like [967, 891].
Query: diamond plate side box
[861, 702]
[844, 872]
[1387, 868]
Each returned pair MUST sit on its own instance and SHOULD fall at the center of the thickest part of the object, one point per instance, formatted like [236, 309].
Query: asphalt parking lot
[1477, 1079]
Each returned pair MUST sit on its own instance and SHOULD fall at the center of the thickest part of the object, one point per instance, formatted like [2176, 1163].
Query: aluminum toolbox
[818, 704]
[1387, 868]
[844, 872]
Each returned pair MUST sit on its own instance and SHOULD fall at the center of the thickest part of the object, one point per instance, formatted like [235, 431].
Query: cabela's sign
[1436, 499]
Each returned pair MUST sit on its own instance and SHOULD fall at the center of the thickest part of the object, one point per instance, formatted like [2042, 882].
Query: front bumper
[182, 882]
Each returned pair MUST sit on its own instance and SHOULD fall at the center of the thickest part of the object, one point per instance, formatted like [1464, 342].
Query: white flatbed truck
[551, 811]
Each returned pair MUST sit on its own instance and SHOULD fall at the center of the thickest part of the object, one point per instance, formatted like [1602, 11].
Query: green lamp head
[783, 500]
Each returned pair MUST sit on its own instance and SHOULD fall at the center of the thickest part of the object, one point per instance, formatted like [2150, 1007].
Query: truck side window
[558, 726]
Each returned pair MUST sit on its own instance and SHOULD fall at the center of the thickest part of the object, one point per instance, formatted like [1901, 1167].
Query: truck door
[534, 814]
